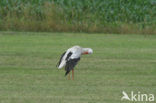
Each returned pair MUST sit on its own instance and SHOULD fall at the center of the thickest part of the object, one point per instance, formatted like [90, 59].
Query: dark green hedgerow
[109, 16]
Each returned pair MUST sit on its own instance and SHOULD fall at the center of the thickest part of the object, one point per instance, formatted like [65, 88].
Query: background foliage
[109, 16]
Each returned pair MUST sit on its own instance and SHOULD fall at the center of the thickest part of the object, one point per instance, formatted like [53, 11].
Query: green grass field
[28, 72]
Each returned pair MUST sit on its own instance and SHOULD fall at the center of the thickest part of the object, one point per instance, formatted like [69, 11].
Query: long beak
[85, 53]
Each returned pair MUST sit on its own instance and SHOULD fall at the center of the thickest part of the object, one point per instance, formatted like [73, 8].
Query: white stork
[70, 58]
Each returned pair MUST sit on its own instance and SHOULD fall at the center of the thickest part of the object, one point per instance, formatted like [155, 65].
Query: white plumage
[70, 57]
[76, 53]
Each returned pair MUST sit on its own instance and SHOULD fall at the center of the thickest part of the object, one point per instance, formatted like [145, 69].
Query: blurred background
[106, 16]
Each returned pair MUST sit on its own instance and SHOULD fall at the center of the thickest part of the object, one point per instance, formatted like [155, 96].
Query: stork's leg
[69, 76]
[72, 74]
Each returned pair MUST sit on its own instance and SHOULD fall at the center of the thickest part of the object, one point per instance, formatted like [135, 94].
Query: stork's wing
[60, 59]
[70, 64]
[68, 56]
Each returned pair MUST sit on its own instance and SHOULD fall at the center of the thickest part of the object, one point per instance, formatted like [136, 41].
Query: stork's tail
[67, 72]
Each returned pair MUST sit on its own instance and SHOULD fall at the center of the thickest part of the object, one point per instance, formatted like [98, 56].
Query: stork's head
[87, 51]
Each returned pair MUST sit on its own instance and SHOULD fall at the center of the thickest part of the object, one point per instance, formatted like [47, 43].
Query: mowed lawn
[28, 72]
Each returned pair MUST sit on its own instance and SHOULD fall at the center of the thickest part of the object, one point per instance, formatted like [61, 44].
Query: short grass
[28, 72]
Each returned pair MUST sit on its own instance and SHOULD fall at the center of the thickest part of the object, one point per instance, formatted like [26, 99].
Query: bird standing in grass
[70, 58]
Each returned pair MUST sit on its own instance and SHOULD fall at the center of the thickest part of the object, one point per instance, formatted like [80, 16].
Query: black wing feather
[69, 54]
[60, 59]
[70, 65]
